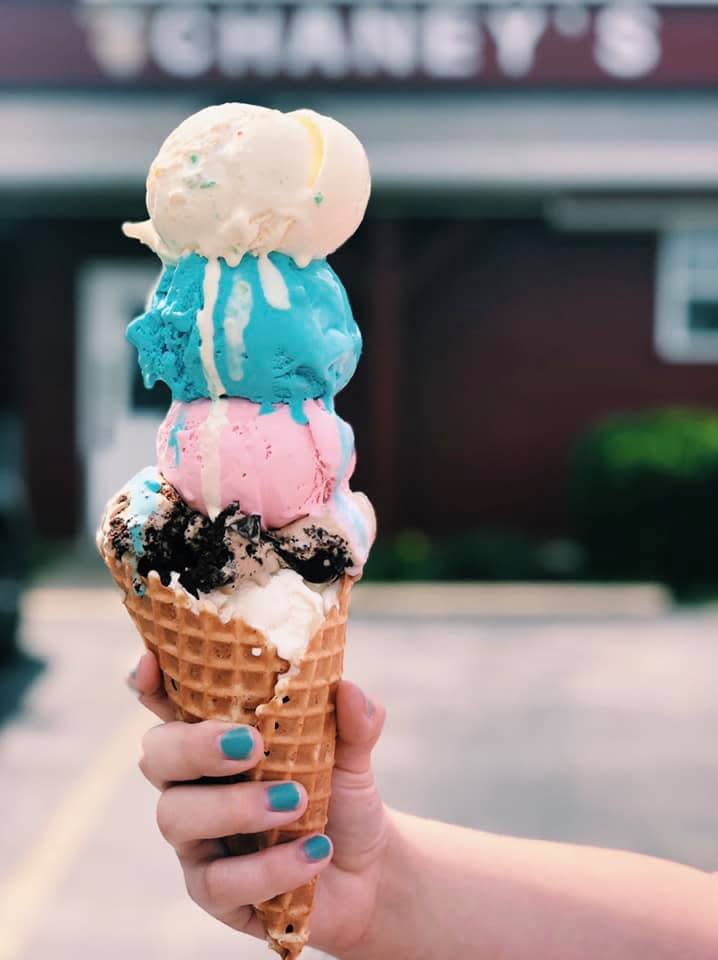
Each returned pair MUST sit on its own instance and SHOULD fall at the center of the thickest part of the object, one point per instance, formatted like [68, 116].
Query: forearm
[450, 892]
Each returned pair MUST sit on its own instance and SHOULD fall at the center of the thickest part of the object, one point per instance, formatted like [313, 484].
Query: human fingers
[222, 885]
[146, 681]
[187, 813]
[179, 751]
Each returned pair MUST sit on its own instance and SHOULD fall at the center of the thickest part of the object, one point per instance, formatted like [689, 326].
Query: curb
[511, 600]
[418, 600]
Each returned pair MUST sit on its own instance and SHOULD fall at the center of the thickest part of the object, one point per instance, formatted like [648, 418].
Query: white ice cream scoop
[238, 178]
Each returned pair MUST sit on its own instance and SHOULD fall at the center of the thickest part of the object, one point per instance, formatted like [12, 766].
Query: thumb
[356, 812]
[146, 681]
[359, 724]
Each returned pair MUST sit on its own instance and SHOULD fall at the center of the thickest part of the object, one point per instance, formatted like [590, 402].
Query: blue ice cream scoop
[287, 341]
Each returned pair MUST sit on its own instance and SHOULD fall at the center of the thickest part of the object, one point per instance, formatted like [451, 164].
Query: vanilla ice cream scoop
[237, 178]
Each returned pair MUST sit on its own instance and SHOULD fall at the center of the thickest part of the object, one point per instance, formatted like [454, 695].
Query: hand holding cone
[175, 754]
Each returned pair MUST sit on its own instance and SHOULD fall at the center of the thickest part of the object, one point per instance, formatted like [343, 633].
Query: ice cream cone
[249, 505]
[226, 671]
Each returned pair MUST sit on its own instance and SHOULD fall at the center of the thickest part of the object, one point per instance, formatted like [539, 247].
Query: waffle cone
[227, 671]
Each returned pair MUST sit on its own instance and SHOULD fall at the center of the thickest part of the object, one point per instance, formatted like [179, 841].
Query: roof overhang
[517, 142]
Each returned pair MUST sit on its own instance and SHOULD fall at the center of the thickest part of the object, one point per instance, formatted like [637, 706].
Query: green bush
[475, 555]
[643, 493]
[408, 556]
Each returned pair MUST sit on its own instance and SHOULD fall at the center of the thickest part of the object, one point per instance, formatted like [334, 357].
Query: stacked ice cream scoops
[237, 551]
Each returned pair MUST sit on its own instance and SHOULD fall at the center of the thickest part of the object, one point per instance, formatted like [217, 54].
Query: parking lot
[581, 728]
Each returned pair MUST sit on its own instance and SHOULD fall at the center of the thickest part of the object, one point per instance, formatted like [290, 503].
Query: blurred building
[541, 247]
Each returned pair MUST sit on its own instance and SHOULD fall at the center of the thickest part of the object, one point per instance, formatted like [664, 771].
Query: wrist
[393, 928]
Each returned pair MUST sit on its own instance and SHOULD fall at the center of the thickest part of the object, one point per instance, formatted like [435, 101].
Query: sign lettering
[470, 43]
[628, 41]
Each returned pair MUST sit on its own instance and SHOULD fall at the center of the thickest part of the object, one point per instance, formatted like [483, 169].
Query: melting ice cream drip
[273, 286]
[205, 326]
[211, 429]
[173, 441]
[344, 505]
[237, 316]
[210, 439]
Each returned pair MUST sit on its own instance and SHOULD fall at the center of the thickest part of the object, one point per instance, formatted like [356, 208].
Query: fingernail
[283, 796]
[131, 677]
[369, 706]
[237, 744]
[317, 848]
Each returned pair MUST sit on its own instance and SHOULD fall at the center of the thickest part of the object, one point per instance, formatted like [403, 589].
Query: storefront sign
[398, 44]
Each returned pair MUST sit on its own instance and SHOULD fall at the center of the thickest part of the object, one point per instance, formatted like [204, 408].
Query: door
[117, 417]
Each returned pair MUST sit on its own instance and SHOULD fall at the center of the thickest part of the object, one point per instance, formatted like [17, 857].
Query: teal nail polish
[282, 797]
[237, 744]
[317, 848]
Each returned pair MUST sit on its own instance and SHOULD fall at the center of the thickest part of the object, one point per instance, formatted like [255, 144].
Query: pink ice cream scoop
[226, 451]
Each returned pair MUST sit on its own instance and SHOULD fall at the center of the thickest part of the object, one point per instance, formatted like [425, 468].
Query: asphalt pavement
[590, 729]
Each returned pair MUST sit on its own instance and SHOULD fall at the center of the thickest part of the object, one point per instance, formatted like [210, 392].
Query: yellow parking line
[41, 870]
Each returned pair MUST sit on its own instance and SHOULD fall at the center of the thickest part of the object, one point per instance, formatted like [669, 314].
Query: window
[686, 328]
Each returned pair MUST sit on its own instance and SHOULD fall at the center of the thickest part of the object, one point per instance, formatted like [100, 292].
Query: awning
[518, 142]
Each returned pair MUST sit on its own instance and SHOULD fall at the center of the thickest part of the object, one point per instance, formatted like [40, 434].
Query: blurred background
[540, 253]
[535, 414]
